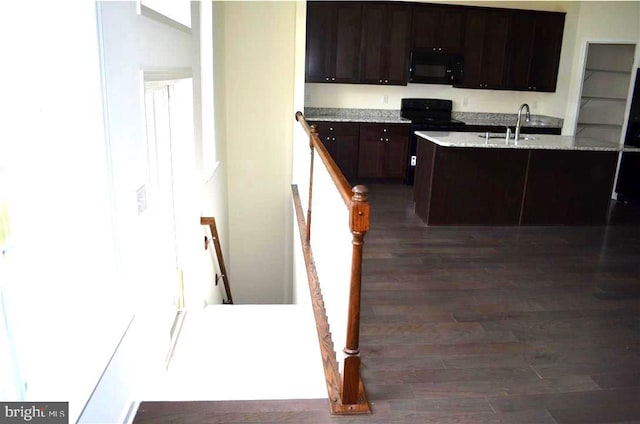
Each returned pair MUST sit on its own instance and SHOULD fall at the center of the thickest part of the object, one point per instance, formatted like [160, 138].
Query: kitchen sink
[504, 135]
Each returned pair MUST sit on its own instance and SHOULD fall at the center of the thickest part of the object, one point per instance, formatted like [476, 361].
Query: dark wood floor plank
[612, 380]
[481, 325]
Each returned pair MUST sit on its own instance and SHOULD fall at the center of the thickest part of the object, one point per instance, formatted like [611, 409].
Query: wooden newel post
[359, 225]
[314, 133]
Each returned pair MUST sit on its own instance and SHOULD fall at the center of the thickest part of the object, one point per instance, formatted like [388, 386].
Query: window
[177, 11]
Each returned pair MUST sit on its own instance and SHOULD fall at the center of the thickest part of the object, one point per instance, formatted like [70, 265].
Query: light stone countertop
[527, 141]
[386, 116]
[383, 116]
[506, 119]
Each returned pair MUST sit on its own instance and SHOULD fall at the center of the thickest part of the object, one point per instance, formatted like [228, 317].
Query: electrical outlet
[385, 99]
[465, 101]
[413, 161]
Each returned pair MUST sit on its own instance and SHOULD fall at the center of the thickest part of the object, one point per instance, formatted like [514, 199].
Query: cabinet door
[347, 42]
[473, 49]
[397, 49]
[345, 154]
[319, 41]
[437, 28]
[545, 55]
[341, 141]
[333, 41]
[495, 48]
[369, 156]
[372, 48]
[485, 48]
[394, 163]
[521, 37]
[385, 30]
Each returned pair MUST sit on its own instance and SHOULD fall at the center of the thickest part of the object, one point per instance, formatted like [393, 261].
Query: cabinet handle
[380, 80]
[381, 139]
[386, 139]
[384, 130]
[333, 79]
[386, 80]
[333, 139]
[434, 49]
[439, 48]
[330, 129]
[326, 79]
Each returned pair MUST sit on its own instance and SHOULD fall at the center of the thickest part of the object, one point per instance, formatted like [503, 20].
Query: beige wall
[257, 55]
[584, 20]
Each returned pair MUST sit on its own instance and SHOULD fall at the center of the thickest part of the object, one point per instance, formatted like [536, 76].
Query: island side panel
[425, 161]
[569, 187]
[477, 186]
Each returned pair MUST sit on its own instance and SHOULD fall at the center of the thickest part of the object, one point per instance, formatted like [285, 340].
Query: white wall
[584, 20]
[132, 43]
[213, 193]
[60, 280]
[258, 57]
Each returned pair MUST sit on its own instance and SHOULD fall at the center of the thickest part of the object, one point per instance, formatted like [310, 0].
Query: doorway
[605, 89]
[169, 127]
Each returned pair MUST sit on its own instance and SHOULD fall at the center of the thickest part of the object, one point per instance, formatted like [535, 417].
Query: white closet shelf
[624, 99]
[597, 124]
[610, 71]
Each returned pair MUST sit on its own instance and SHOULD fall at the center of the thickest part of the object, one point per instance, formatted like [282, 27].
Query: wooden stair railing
[211, 222]
[350, 397]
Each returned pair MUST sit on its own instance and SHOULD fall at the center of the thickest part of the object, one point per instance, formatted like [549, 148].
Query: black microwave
[427, 67]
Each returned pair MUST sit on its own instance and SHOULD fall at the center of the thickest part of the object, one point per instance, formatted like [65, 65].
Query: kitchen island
[482, 179]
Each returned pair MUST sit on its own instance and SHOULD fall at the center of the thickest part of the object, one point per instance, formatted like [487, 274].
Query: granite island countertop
[507, 119]
[538, 141]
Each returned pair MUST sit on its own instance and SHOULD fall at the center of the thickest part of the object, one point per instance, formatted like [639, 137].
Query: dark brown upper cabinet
[535, 41]
[485, 48]
[545, 56]
[333, 41]
[369, 42]
[438, 28]
[384, 43]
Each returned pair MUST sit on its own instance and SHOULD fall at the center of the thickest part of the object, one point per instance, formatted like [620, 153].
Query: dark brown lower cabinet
[477, 186]
[341, 141]
[383, 151]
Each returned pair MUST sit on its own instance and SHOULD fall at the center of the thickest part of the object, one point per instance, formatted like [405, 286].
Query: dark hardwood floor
[481, 325]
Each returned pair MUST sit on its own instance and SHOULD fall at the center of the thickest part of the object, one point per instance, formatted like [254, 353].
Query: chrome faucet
[527, 118]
